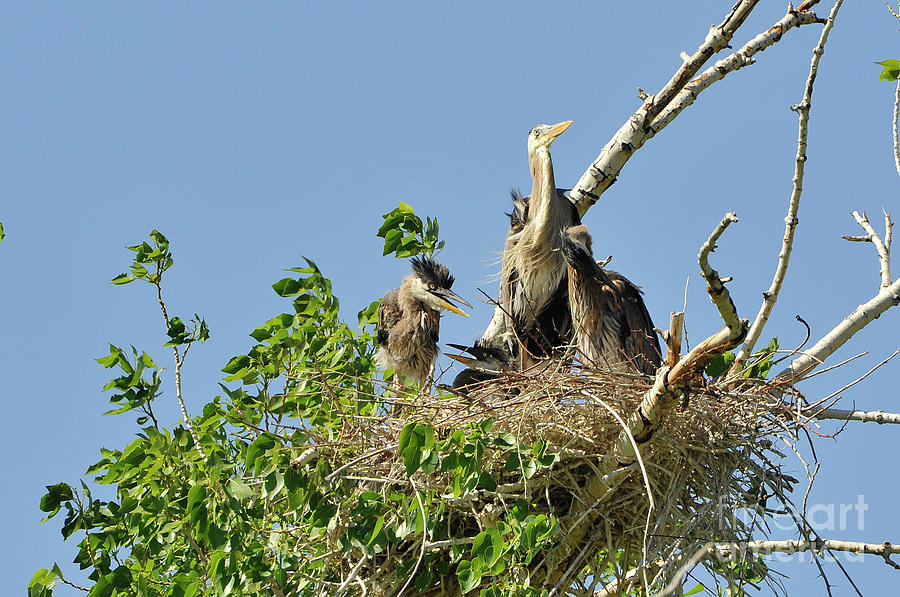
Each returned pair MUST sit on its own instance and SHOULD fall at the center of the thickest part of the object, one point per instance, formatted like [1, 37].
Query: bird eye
[432, 286]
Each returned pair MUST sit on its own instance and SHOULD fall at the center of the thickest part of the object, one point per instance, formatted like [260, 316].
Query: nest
[710, 474]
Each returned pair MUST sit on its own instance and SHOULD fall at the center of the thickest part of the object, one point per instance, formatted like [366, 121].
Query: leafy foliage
[252, 496]
[249, 514]
[890, 70]
[157, 257]
[760, 362]
[406, 236]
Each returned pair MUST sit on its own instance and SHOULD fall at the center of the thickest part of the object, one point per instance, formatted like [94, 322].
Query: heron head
[543, 135]
[579, 234]
[483, 357]
[431, 284]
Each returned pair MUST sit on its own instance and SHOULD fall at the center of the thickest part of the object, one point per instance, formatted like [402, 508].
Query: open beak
[558, 129]
[448, 295]
[467, 361]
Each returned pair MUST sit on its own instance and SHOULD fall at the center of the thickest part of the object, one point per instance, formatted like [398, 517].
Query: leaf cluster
[405, 235]
[760, 362]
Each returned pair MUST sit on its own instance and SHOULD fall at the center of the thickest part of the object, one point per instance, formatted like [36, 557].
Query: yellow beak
[460, 358]
[558, 129]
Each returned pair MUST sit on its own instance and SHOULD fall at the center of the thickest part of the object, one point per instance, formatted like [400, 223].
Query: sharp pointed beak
[448, 295]
[558, 129]
[461, 347]
[460, 358]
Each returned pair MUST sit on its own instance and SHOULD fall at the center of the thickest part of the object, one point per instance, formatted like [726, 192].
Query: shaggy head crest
[431, 272]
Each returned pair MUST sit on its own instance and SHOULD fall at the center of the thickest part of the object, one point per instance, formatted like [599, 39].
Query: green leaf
[890, 70]
[236, 364]
[238, 490]
[489, 546]
[696, 590]
[123, 279]
[720, 364]
[405, 235]
[287, 287]
[468, 579]
[42, 582]
[260, 446]
[54, 498]
[196, 497]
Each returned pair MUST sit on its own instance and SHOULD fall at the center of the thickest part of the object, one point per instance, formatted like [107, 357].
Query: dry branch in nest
[711, 458]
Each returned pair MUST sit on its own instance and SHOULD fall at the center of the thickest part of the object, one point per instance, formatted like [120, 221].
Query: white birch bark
[659, 110]
[770, 296]
[825, 347]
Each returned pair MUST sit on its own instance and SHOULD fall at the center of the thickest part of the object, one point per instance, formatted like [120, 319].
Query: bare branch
[673, 337]
[888, 230]
[648, 120]
[825, 347]
[884, 256]
[770, 296]
[862, 238]
[719, 295]
[872, 416]
[717, 39]
[894, 126]
[799, 545]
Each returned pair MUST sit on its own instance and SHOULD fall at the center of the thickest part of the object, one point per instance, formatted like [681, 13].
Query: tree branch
[770, 296]
[179, 362]
[719, 295]
[717, 39]
[872, 416]
[884, 256]
[653, 116]
[799, 545]
[894, 127]
[830, 342]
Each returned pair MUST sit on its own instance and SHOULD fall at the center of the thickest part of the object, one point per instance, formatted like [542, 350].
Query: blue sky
[252, 136]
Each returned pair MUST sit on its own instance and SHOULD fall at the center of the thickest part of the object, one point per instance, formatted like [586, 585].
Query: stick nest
[713, 457]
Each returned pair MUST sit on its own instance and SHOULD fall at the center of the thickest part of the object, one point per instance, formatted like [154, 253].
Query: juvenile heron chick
[484, 363]
[409, 321]
[611, 326]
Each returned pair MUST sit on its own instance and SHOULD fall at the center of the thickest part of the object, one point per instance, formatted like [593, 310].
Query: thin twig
[179, 362]
[770, 296]
[415, 569]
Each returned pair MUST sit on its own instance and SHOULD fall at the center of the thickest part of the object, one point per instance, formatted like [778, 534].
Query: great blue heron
[533, 292]
[610, 323]
[499, 335]
[409, 321]
[483, 363]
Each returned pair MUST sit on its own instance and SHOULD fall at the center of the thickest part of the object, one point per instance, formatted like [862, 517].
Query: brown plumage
[409, 321]
[610, 323]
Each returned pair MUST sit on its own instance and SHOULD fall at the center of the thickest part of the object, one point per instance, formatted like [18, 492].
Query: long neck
[539, 263]
[543, 187]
